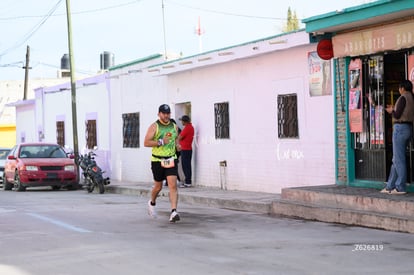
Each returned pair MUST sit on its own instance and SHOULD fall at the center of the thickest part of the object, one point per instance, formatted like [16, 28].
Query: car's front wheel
[17, 184]
[6, 185]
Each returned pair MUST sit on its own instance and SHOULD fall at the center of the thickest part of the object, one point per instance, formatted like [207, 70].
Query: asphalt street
[73, 232]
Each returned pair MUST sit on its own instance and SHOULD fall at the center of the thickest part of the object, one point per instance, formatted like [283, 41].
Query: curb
[211, 198]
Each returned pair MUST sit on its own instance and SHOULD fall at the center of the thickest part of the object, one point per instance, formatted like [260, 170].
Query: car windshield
[42, 151]
[4, 153]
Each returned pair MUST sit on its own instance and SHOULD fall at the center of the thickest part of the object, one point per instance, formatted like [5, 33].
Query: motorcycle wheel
[101, 187]
[90, 186]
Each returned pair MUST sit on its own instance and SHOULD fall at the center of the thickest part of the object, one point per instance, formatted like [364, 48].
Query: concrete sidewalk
[235, 200]
[335, 204]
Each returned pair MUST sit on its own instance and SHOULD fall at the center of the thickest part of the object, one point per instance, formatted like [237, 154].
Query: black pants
[186, 164]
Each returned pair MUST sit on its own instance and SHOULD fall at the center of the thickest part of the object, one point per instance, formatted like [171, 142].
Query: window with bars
[287, 107]
[60, 132]
[222, 120]
[90, 134]
[130, 130]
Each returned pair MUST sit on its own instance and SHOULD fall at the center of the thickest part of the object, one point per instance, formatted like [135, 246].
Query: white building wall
[92, 102]
[257, 160]
[57, 107]
[131, 93]
[39, 116]
[25, 124]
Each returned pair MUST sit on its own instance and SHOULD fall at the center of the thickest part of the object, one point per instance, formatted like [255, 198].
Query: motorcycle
[92, 173]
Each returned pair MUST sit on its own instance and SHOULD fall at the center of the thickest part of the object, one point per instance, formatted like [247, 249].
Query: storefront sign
[324, 49]
[382, 38]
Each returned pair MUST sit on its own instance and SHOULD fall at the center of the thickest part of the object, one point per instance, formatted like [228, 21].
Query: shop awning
[367, 29]
[359, 16]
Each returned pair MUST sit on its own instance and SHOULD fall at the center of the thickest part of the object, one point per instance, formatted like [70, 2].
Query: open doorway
[394, 73]
[180, 110]
[381, 75]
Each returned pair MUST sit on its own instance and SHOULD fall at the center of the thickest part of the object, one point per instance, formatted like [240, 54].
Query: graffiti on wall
[288, 153]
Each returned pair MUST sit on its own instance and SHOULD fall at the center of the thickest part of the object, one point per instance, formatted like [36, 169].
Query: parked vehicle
[39, 164]
[3, 155]
[92, 173]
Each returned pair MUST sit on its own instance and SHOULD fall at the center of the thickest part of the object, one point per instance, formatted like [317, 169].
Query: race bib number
[167, 163]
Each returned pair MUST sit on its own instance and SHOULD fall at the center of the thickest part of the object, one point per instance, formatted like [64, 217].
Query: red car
[39, 164]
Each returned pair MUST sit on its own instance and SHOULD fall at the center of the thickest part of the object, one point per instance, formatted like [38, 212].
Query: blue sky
[134, 29]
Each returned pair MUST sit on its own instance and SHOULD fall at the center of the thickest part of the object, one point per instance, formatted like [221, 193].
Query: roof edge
[355, 14]
[345, 10]
[134, 62]
[226, 48]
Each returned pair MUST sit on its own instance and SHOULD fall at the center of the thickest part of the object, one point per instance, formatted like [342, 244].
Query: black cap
[164, 108]
[185, 118]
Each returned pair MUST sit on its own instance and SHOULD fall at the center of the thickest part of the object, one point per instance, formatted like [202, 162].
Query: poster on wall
[377, 128]
[319, 75]
[355, 96]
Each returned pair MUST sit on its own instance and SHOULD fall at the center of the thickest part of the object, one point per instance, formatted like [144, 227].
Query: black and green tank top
[166, 150]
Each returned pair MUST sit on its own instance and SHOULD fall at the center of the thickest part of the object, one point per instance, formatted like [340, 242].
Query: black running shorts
[161, 173]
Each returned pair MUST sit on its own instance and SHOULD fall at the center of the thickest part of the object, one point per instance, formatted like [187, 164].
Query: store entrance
[381, 75]
[394, 73]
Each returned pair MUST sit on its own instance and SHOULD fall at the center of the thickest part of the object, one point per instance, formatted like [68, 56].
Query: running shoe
[185, 185]
[174, 216]
[151, 210]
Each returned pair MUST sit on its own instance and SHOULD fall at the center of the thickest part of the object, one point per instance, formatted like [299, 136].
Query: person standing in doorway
[186, 143]
[402, 115]
[162, 136]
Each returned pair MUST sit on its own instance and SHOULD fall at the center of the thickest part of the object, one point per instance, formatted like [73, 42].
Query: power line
[134, 2]
[14, 64]
[44, 19]
[19, 64]
[73, 13]
[107, 8]
[226, 13]
[82, 71]
[33, 30]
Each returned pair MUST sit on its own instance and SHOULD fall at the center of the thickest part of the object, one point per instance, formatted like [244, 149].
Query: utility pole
[26, 73]
[163, 26]
[72, 83]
